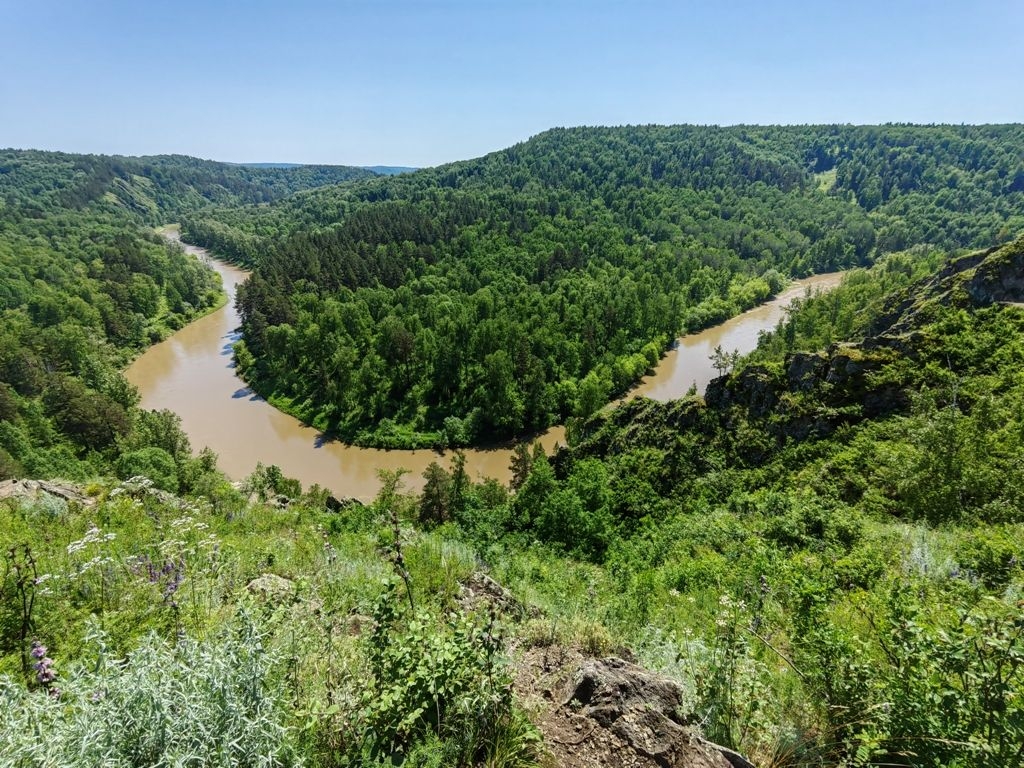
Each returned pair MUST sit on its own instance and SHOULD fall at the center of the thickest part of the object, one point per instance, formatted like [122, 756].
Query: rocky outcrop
[837, 384]
[272, 588]
[34, 489]
[481, 591]
[643, 709]
[993, 276]
[611, 712]
[999, 279]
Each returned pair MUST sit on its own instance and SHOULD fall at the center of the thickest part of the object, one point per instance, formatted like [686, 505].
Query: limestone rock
[33, 489]
[611, 712]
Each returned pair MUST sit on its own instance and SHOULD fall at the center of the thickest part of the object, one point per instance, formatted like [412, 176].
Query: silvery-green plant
[191, 704]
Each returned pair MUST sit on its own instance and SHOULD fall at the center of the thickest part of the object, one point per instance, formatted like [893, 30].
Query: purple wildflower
[45, 673]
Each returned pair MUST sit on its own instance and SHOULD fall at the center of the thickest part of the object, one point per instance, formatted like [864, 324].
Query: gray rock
[643, 710]
[33, 489]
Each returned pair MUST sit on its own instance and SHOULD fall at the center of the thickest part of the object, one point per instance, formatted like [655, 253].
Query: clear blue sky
[422, 83]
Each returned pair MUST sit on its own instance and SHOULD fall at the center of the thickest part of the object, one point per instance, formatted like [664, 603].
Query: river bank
[192, 373]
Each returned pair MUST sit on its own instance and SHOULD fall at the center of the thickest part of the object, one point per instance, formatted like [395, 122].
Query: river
[192, 374]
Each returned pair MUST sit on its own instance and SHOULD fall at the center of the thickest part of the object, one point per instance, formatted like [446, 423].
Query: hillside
[495, 297]
[156, 189]
[85, 283]
[817, 564]
[826, 550]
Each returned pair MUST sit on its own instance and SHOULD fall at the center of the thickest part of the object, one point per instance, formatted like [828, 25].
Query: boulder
[642, 710]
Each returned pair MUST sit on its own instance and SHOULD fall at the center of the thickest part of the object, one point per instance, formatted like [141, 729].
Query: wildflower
[45, 673]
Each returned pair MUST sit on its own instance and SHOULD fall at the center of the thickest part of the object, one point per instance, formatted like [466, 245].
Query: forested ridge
[85, 283]
[157, 188]
[494, 297]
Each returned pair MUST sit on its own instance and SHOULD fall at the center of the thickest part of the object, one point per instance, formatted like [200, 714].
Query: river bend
[192, 373]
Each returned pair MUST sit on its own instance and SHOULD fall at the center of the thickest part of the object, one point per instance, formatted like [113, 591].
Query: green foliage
[921, 688]
[154, 463]
[446, 681]
[497, 296]
[209, 703]
[825, 551]
[84, 285]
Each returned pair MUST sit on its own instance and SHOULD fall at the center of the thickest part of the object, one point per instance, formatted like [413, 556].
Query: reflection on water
[188, 374]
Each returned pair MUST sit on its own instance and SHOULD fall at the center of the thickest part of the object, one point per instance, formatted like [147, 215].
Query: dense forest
[823, 555]
[156, 189]
[85, 283]
[495, 297]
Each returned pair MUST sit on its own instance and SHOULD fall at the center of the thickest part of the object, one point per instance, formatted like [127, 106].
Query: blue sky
[422, 83]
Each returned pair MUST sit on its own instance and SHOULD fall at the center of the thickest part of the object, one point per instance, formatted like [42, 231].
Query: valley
[807, 553]
[190, 374]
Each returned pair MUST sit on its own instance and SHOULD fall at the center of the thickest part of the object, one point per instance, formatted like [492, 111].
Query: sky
[363, 82]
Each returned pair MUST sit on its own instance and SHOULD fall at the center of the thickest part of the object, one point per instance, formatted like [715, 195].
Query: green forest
[821, 557]
[85, 284]
[492, 298]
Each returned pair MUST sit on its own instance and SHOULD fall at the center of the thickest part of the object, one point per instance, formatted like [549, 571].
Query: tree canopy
[494, 297]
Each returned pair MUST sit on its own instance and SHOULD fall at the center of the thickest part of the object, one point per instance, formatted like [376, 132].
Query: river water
[192, 374]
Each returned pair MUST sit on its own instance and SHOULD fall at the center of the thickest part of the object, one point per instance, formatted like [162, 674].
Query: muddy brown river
[192, 374]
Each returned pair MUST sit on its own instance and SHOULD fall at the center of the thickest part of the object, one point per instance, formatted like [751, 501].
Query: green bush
[435, 681]
[154, 463]
[190, 704]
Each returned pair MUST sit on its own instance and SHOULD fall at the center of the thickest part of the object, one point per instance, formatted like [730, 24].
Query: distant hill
[158, 188]
[381, 170]
[390, 170]
[269, 165]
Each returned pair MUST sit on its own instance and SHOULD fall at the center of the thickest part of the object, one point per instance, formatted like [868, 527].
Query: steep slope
[831, 540]
[961, 323]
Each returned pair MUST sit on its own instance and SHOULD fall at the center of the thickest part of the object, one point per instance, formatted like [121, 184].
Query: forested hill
[85, 283]
[829, 545]
[500, 295]
[158, 188]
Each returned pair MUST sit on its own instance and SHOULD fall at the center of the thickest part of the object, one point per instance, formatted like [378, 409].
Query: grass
[825, 180]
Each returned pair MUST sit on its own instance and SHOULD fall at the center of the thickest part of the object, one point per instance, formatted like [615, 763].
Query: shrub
[436, 681]
[206, 704]
[154, 463]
